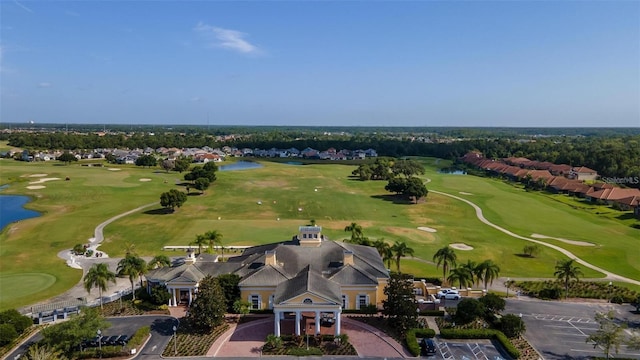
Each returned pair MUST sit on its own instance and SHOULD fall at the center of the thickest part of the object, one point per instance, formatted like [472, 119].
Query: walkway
[246, 340]
[480, 216]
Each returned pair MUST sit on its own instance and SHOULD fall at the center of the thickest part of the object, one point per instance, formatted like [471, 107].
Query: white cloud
[44, 85]
[226, 38]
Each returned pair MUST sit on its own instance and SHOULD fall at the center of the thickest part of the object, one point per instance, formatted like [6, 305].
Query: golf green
[19, 285]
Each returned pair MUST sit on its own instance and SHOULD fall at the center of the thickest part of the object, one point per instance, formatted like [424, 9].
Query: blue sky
[356, 63]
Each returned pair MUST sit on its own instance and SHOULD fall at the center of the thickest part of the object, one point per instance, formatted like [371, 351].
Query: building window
[255, 302]
[363, 300]
[345, 301]
[307, 301]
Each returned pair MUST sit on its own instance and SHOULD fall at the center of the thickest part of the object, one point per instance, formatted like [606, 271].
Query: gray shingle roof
[308, 281]
[291, 258]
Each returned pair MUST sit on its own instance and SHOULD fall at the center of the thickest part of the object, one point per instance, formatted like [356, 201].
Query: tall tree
[67, 158]
[565, 271]
[488, 271]
[214, 238]
[208, 309]
[65, 336]
[461, 275]
[400, 305]
[447, 258]
[159, 261]
[400, 249]
[356, 231]
[609, 335]
[172, 199]
[201, 241]
[131, 266]
[99, 276]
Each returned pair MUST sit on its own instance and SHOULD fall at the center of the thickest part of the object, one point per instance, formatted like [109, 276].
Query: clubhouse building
[308, 275]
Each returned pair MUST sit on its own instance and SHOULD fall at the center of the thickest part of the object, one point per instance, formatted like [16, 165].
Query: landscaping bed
[193, 341]
[131, 308]
[317, 345]
[552, 289]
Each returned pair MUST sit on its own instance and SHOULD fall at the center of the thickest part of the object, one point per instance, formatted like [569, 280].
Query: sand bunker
[427, 229]
[571, 242]
[460, 246]
[43, 181]
[37, 175]
[145, 179]
[35, 187]
[114, 169]
[465, 193]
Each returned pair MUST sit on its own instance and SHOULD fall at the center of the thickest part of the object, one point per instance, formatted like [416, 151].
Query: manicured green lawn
[290, 196]
[18, 287]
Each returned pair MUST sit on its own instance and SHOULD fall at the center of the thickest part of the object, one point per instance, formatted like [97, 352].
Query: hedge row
[432, 313]
[482, 334]
[412, 341]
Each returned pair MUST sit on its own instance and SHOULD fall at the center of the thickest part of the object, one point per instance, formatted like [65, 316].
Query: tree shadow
[161, 211]
[164, 326]
[524, 256]
[626, 216]
[396, 199]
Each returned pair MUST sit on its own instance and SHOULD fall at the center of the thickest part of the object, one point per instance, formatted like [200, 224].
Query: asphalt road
[161, 333]
[558, 330]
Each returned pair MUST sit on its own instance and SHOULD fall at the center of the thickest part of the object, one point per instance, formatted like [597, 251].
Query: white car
[449, 294]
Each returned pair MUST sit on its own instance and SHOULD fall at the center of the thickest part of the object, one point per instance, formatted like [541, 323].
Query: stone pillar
[336, 315]
[298, 323]
[276, 323]
[317, 322]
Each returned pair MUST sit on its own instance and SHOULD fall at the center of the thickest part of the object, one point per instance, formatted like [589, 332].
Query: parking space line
[577, 328]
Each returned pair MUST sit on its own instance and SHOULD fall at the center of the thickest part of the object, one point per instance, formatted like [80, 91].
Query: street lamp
[100, 342]
[508, 286]
[175, 341]
[610, 284]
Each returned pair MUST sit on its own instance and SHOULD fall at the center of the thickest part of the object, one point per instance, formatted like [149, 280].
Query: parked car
[428, 347]
[111, 340]
[122, 340]
[449, 294]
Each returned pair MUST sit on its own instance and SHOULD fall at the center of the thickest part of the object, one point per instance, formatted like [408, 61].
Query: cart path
[480, 216]
[98, 234]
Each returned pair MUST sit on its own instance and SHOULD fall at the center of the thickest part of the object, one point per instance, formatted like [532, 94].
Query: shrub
[617, 299]
[159, 295]
[432, 313]
[512, 325]
[550, 293]
[304, 352]
[18, 321]
[139, 336]
[411, 339]
[8, 333]
[468, 310]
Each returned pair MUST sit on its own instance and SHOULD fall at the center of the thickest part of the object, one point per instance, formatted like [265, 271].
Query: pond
[12, 210]
[294, 163]
[241, 165]
[452, 171]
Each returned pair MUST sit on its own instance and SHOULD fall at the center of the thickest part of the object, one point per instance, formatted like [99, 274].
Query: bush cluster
[552, 289]
[12, 325]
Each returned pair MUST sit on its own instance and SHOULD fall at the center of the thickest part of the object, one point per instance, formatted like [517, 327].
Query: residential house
[583, 173]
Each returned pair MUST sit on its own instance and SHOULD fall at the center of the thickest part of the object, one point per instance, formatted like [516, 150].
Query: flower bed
[192, 341]
[318, 345]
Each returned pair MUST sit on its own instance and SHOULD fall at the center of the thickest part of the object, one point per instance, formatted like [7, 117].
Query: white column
[190, 296]
[298, 323]
[317, 322]
[336, 315]
[276, 324]
[175, 303]
[170, 298]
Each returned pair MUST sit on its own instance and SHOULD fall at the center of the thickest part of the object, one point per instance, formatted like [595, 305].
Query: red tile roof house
[583, 173]
[560, 169]
[612, 195]
[630, 203]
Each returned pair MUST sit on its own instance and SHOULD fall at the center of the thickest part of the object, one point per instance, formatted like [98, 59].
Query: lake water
[12, 210]
[452, 171]
[241, 165]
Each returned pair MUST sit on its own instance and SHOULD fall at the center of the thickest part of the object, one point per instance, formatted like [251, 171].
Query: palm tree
[461, 275]
[214, 237]
[400, 249]
[470, 267]
[447, 257]
[159, 261]
[37, 352]
[99, 276]
[489, 271]
[132, 266]
[566, 270]
[384, 249]
[356, 231]
[200, 240]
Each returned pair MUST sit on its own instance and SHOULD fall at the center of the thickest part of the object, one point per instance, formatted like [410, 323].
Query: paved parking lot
[559, 330]
[466, 350]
